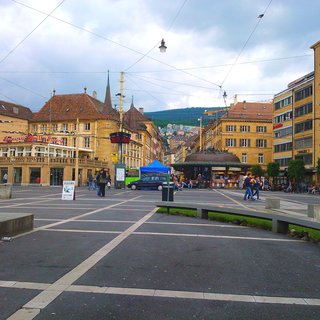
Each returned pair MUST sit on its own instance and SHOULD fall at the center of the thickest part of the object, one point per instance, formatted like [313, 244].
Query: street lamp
[224, 98]
[163, 47]
[200, 132]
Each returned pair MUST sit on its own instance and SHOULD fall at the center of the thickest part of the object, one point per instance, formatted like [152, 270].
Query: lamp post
[163, 47]
[200, 132]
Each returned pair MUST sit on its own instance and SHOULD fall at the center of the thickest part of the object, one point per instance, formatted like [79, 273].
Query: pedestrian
[5, 178]
[108, 180]
[79, 180]
[95, 186]
[247, 184]
[102, 183]
[199, 181]
[90, 181]
[257, 188]
[190, 184]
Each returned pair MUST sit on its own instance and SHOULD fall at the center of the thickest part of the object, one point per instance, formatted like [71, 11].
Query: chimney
[235, 99]
[141, 110]
[244, 105]
[94, 95]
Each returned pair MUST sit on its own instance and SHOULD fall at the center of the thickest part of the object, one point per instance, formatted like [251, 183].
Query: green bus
[132, 174]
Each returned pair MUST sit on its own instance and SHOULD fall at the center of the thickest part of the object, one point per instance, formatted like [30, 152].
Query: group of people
[100, 181]
[252, 185]
[181, 183]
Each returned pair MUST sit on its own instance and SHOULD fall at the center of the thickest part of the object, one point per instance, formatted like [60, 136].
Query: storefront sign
[234, 169]
[69, 190]
[32, 139]
[218, 168]
[304, 151]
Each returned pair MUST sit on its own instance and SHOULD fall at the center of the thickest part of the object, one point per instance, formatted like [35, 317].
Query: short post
[314, 211]
[202, 213]
[280, 226]
[272, 203]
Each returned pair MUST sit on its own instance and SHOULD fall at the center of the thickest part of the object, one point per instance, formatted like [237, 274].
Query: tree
[318, 166]
[296, 170]
[256, 170]
[273, 169]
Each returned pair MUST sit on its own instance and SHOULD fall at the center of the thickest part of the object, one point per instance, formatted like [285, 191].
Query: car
[148, 182]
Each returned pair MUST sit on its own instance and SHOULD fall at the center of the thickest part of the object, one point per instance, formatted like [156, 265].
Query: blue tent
[155, 167]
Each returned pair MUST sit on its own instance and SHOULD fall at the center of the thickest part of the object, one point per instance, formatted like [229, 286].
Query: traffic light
[120, 137]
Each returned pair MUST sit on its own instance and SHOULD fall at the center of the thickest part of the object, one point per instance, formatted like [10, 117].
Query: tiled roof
[73, 106]
[9, 109]
[250, 111]
[135, 119]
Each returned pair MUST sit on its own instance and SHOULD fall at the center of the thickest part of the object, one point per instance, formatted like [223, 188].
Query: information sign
[69, 190]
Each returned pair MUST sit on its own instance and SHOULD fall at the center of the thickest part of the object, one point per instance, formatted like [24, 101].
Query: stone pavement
[116, 258]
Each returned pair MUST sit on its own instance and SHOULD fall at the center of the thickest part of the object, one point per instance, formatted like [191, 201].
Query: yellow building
[245, 130]
[293, 114]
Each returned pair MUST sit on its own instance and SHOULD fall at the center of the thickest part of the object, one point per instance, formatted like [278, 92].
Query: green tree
[256, 170]
[273, 169]
[318, 166]
[296, 170]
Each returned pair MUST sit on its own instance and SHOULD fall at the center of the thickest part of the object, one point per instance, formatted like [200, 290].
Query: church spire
[107, 100]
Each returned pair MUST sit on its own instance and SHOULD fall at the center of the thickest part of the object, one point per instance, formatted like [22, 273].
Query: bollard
[314, 211]
[272, 203]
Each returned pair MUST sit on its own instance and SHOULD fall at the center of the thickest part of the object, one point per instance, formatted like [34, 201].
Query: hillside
[185, 116]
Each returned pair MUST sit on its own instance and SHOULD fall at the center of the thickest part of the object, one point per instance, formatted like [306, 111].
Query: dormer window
[15, 110]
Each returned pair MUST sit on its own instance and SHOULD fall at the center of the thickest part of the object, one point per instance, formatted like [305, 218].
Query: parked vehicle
[148, 182]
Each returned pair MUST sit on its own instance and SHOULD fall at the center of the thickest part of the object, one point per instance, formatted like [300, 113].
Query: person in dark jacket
[247, 184]
[102, 181]
[256, 187]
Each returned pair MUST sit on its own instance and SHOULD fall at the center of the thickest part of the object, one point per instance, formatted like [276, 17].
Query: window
[283, 132]
[302, 110]
[244, 158]
[303, 143]
[15, 109]
[283, 117]
[28, 151]
[35, 175]
[261, 129]
[283, 103]
[139, 136]
[307, 158]
[260, 158]
[12, 152]
[64, 126]
[58, 153]
[44, 128]
[65, 141]
[5, 152]
[75, 127]
[74, 142]
[231, 142]
[86, 142]
[244, 142]
[261, 143]
[40, 152]
[283, 147]
[231, 128]
[283, 162]
[244, 128]
[51, 152]
[303, 126]
[20, 152]
[303, 93]
[34, 128]
[54, 127]
[87, 126]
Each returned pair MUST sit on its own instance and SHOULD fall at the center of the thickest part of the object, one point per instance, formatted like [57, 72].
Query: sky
[212, 47]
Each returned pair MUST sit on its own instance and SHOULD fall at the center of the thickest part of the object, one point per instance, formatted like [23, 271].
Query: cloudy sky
[213, 46]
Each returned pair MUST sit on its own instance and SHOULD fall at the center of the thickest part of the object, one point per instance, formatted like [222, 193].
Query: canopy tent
[155, 166]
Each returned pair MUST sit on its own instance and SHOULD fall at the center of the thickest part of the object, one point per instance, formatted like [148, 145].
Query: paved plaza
[116, 258]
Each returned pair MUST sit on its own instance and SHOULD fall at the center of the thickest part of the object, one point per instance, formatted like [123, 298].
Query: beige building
[245, 130]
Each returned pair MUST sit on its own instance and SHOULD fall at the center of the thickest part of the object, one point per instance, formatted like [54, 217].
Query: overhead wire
[158, 41]
[32, 31]
[254, 29]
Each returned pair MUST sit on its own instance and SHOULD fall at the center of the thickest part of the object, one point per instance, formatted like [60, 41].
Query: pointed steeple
[107, 100]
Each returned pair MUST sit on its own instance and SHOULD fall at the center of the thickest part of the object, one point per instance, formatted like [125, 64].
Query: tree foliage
[273, 169]
[256, 170]
[296, 169]
[318, 166]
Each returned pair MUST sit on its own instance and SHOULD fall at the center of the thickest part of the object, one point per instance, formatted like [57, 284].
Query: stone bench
[5, 192]
[280, 222]
[314, 211]
[12, 224]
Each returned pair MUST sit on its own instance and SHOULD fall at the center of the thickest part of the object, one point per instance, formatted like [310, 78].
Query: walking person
[95, 185]
[102, 183]
[247, 184]
[256, 186]
[98, 179]
[90, 181]
[199, 181]
[5, 178]
[108, 180]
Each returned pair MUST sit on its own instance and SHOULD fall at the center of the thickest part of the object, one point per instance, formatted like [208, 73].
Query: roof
[212, 156]
[73, 106]
[250, 111]
[15, 110]
[135, 119]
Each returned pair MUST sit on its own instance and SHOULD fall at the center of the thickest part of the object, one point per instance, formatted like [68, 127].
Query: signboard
[33, 139]
[121, 174]
[234, 169]
[218, 168]
[69, 190]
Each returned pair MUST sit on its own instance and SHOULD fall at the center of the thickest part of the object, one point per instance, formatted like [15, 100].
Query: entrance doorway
[17, 175]
[56, 176]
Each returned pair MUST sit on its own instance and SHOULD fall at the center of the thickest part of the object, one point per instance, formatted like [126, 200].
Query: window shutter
[234, 128]
[226, 142]
[235, 142]
[249, 143]
[227, 128]
[265, 143]
[265, 129]
[248, 128]
[257, 142]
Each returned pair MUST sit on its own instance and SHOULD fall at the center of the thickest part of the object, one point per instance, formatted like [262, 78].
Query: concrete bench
[5, 192]
[280, 223]
[12, 224]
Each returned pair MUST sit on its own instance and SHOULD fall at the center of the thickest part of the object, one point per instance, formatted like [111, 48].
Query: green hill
[185, 116]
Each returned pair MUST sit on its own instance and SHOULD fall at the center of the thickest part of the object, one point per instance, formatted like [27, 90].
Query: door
[56, 176]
